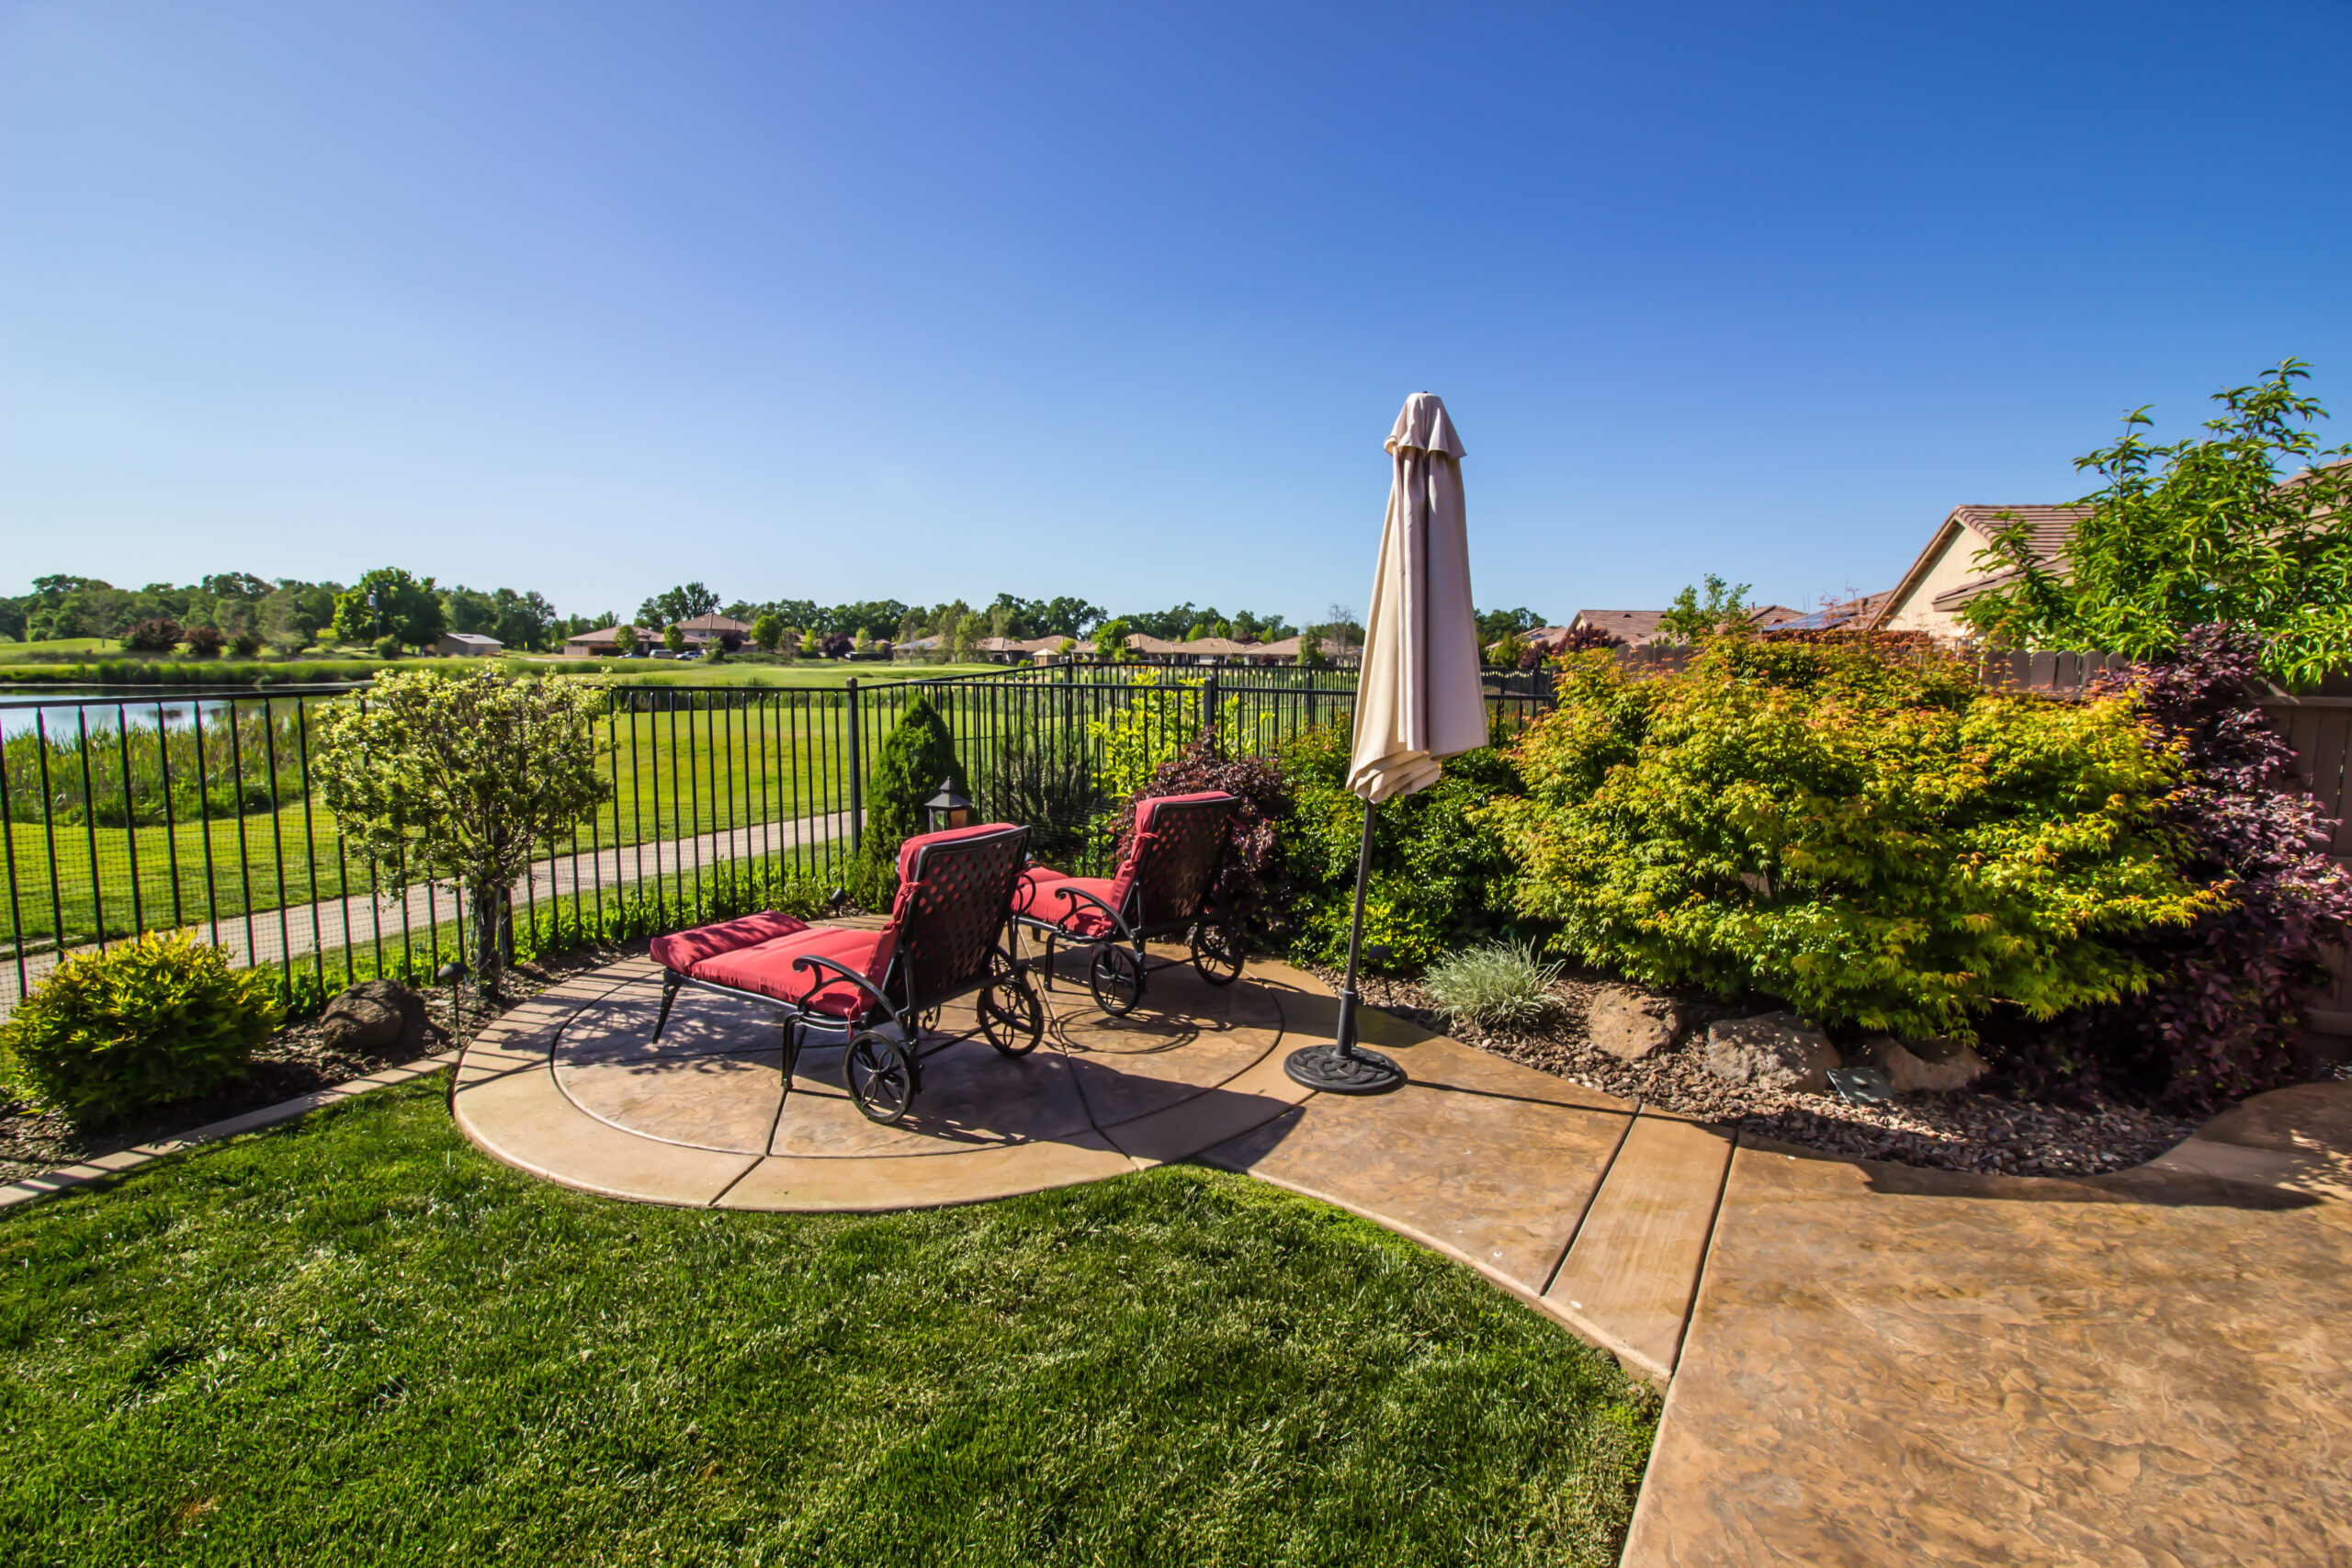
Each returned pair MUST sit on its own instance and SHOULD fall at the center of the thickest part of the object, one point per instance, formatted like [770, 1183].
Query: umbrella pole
[1340, 1068]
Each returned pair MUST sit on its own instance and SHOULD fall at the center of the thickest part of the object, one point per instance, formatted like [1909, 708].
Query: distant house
[603, 643]
[1635, 628]
[1931, 595]
[467, 644]
[703, 631]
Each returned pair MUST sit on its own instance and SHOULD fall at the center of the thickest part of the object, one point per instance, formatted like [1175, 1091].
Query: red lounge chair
[1163, 886]
[948, 936]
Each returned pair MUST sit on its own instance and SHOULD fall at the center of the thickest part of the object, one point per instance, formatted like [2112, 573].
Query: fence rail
[198, 811]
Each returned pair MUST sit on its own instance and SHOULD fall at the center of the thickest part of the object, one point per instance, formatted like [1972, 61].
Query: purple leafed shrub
[1584, 639]
[1249, 874]
[837, 646]
[2225, 1021]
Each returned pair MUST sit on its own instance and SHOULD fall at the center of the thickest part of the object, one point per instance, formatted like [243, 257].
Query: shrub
[1500, 984]
[767, 631]
[1440, 877]
[204, 642]
[838, 645]
[245, 643]
[1043, 776]
[2225, 1020]
[1584, 638]
[386, 647]
[159, 1018]
[1248, 879]
[1881, 843]
[158, 635]
[915, 757]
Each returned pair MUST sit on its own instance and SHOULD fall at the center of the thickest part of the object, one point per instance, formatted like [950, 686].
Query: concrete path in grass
[1865, 1363]
[329, 925]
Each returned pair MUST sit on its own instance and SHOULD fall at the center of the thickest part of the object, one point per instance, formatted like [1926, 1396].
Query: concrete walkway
[1866, 1363]
[267, 936]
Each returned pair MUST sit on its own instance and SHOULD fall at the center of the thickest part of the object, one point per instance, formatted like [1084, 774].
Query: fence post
[1209, 717]
[856, 777]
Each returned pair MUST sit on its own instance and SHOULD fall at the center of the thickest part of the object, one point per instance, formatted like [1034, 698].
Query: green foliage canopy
[388, 602]
[2197, 532]
[460, 779]
[159, 1019]
[1883, 844]
[1703, 609]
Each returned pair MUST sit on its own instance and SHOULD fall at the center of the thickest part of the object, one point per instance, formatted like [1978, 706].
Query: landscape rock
[1630, 1023]
[375, 1017]
[1918, 1066]
[1775, 1051]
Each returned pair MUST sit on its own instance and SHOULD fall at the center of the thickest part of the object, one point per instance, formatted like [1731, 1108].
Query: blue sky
[1119, 300]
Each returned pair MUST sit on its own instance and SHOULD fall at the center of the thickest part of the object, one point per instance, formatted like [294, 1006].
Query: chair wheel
[1216, 952]
[1011, 1018]
[1116, 979]
[880, 1076]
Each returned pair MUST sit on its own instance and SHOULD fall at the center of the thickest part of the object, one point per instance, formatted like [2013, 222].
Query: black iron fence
[197, 812]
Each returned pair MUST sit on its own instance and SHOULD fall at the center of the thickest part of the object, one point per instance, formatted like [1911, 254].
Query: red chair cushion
[1034, 896]
[766, 969]
[682, 950]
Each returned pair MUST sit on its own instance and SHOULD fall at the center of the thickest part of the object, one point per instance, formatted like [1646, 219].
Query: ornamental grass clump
[1497, 985]
[159, 1018]
[1877, 841]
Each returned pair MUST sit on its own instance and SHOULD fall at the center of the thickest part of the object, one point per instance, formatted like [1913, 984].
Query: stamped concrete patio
[1866, 1363]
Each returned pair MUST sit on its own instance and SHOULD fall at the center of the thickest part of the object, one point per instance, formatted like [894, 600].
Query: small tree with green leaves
[767, 632]
[915, 757]
[1699, 612]
[2249, 525]
[674, 637]
[1111, 641]
[461, 779]
[625, 639]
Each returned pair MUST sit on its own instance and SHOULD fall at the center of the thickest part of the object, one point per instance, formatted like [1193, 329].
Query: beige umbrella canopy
[1421, 698]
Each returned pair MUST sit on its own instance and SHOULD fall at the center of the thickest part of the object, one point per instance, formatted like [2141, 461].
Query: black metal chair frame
[1121, 965]
[884, 1072]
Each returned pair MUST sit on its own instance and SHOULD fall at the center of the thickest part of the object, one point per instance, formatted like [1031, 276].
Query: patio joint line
[1553, 1276]
[1706, 1254]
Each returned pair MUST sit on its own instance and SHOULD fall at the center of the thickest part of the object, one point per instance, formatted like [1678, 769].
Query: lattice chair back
[1179, 840]
[955, 896]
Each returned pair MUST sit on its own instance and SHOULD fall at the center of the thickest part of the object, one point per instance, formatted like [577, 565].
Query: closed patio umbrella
[1421, 698]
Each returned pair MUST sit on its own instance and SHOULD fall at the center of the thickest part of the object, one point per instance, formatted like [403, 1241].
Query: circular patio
[572, 1086]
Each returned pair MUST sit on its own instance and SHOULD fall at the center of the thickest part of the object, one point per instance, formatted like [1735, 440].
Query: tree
[916, 756]
[684, 603]
[809, 645]
[204, 642]
[625, 640]
[674, 637]
[2197, 533]
[242, 585]
[1495, 624]
[767, 631]
[836, 645]
[1310, 649]
[388, 602]
[1693, 618]
[160, 635]
[1111, 641]
[461, 779]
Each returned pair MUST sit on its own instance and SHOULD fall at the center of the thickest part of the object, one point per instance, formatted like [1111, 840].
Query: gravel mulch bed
[295, 1061]
[1957, 1131]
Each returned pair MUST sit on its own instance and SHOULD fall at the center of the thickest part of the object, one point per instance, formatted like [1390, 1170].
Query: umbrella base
[1329, 1070]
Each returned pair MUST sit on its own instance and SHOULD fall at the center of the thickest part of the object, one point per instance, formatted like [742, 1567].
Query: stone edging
[81, 1175]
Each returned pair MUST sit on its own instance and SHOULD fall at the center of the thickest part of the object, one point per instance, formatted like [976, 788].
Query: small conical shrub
[918, 754]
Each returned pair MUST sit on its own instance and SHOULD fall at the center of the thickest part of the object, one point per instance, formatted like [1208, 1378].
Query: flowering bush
[1880, 843]
[2223, 1020]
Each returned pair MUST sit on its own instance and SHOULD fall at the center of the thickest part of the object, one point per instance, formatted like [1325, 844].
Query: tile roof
[1634, 628]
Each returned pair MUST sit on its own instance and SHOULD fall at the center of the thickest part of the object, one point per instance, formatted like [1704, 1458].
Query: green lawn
[355, 1340]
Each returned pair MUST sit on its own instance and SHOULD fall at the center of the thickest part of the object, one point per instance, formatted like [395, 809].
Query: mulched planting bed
[1956, 1131]
[295, 1061]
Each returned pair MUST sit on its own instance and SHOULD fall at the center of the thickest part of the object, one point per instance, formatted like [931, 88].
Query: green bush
[1440, 878]
[918, 754]
[158, 1020]
[1881, 843]
[386, 647]
[1496, 983]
